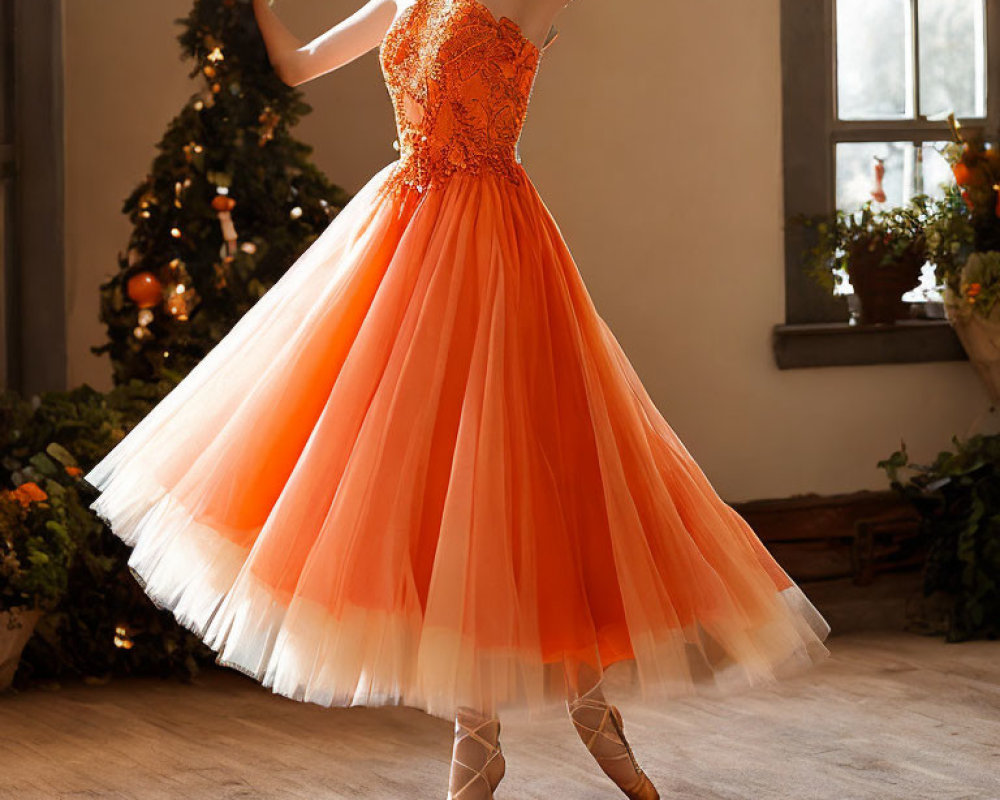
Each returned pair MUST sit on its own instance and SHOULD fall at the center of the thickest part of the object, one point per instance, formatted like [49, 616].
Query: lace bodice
[460, 80]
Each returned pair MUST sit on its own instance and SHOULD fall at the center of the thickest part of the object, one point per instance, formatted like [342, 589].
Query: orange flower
[963, 175]
[74, 472]
[28, 493]
[974, 289]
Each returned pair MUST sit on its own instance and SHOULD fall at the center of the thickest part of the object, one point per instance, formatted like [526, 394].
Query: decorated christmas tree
[231, 202]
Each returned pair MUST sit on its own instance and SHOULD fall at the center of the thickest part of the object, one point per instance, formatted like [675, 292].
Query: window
[868, 82]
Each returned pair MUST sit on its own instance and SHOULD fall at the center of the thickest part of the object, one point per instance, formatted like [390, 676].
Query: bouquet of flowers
[966, 244]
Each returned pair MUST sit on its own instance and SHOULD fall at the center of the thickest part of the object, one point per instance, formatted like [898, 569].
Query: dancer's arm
[297, 63]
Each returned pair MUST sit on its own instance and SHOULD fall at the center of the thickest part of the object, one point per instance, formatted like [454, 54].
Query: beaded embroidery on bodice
[460, 80]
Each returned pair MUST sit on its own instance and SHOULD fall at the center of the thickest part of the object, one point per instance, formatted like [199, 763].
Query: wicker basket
[16, 627]
[980, 336]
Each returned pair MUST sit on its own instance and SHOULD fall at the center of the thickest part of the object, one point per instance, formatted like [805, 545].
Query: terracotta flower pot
[880, 287]
[16, 627]
[980, 336]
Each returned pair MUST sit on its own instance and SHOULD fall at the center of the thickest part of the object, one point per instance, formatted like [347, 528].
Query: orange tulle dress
[421, 470]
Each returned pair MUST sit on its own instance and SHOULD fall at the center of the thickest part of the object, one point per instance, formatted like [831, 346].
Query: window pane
[874, 59]
[909, 170]
[952, 58]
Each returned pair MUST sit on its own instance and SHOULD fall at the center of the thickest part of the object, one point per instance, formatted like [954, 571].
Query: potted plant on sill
[965, 249]
[881, 252]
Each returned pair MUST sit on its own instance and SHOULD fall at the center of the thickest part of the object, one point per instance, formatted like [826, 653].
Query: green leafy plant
[978, 289]
[57, 552]
[950, 236]
[882, 236]
[36, 548]
[38, 509]
[958, 498]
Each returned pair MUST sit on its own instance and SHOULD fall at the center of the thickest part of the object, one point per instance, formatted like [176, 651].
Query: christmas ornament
[148, 199]
[878, 193]
[177, 305]
[224, 205]
[268, 120]
[145, 289]
[221, 274]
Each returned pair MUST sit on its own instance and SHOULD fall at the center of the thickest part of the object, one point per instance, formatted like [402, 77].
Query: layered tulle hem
[371, 657]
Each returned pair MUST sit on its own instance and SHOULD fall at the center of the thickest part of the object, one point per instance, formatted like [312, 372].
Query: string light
[122, 640]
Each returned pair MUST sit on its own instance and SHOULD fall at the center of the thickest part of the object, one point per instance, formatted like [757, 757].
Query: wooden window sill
[839, 344]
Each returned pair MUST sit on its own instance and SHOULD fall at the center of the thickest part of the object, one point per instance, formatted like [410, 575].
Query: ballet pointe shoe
[601, 728]
[477, 762]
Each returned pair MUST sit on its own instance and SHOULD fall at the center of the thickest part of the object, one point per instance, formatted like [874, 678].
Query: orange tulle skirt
[421, 470]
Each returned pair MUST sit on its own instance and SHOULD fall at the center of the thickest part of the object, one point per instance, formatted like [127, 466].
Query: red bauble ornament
[145, 289]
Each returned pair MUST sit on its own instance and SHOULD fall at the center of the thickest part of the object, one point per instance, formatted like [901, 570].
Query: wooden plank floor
[889, 716]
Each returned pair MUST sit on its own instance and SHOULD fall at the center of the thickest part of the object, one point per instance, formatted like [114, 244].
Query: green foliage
[887, 235]
[979, 284]
[231, 139]
[950, 236]
[57, 552]
[36, 548]
[958, 497]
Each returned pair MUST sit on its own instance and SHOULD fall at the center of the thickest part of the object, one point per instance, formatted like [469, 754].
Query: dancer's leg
[599, 725]
[477, 763]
